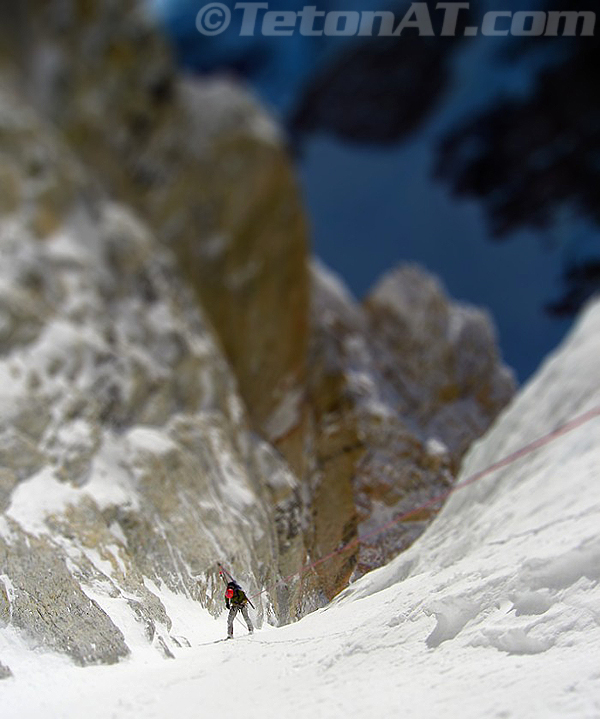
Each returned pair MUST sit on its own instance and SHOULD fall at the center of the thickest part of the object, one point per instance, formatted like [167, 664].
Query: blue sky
[371, 208]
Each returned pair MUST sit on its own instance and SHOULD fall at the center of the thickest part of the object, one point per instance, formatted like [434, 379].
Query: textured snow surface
[493, 613]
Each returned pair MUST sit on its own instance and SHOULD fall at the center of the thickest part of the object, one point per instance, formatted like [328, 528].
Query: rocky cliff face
[177, 386]
[126, 458]
[400, 386]
[201, 163]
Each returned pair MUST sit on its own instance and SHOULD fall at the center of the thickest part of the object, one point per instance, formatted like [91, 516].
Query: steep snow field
[493, 613]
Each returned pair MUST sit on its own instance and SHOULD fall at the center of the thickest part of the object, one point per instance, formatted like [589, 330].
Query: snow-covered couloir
[494, 612]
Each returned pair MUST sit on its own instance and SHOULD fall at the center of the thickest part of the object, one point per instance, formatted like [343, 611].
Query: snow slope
[494, 612]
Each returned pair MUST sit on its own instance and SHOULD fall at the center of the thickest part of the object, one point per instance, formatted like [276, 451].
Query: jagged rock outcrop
[400, 387]
[442, 357]
[5, 671]
[127, 462]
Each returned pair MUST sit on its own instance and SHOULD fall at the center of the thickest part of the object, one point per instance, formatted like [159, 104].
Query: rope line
[500, 464]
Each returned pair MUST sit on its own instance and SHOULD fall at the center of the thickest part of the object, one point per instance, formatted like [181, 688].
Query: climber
[236, 601]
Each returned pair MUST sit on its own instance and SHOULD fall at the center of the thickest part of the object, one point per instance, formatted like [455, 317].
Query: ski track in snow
[494, 613]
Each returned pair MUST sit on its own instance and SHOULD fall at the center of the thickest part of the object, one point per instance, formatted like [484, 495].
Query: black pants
[235, 608]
